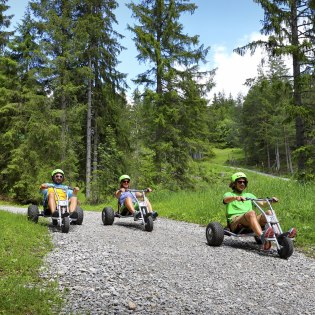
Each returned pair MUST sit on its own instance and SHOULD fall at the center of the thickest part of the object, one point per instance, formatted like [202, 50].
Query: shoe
[267, 234]
[154, 215]
[292, 233]
[136, 215]
[55, 214]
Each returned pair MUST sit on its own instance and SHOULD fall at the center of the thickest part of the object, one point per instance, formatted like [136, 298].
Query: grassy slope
[22, 248]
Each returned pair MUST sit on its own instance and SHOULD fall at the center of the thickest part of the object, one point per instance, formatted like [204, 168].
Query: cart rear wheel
[148, 224]
[108, 216]
[80, 214]
[32, 213]
[214, 234]
[65, 225]
[286, 249]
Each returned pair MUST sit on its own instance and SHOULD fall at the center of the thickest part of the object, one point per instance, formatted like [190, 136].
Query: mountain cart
[283, 240]
[61, 217]
[145, 217]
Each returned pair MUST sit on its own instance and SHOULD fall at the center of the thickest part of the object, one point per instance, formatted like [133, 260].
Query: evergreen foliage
[289, 26]
[63, 102]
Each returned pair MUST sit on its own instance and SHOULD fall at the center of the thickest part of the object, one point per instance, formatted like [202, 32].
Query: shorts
[241, 220]
[124, 196]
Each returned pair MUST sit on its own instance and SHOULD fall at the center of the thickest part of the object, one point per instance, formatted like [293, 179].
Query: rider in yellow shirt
[50, 197]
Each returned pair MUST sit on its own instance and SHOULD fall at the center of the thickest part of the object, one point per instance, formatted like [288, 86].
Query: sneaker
[136, 215]
[154, 215]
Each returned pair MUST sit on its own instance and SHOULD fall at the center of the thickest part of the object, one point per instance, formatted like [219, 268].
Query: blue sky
[221, 24]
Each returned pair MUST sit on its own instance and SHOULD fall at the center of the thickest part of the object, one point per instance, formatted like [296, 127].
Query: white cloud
[233, 69]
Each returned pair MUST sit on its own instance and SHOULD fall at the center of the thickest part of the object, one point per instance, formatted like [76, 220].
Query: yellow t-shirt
[61, 193]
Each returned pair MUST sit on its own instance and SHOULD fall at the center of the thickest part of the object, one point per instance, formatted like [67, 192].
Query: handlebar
[56, 186]
[261, 199]
[138, 190]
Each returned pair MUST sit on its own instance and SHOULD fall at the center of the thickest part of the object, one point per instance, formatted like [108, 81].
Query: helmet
[57, 170]
[237, 175]
[122, 177]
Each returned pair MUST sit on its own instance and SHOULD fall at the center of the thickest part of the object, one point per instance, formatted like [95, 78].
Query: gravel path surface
[121, 269]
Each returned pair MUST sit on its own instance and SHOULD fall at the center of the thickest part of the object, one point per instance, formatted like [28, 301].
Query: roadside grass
[22, 248]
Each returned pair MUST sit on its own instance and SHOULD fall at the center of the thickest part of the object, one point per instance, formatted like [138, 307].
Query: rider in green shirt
[239, 211]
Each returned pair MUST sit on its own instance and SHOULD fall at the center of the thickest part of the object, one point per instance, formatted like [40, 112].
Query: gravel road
[121, 269]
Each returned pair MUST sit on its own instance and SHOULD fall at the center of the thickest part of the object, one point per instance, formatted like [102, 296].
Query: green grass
[223, 155]
[22, 248]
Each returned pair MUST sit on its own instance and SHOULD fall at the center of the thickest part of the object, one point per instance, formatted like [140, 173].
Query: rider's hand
[148, 189]
[122, 190]
[240, 198]
[274, 199]
[76, 189]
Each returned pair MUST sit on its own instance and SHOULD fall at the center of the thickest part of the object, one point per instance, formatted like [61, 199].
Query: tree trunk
[268, 157]
[288, 155]
[88, 138]
[277, 158]
[95, 193]
[63, 127]
[297, 87]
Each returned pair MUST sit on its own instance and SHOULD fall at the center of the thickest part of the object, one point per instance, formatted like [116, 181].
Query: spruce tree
[289, 25]
[173, 58]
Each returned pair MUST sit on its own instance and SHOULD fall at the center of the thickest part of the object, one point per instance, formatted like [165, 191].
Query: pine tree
[97, 49]
[290, 27]
[174, 74]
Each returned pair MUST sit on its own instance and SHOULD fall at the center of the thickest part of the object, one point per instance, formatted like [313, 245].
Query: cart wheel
[32, 213]
[108, 216]
[65, 225]
[286, 249]
[148, 224]
[80, 214]
[214, 234]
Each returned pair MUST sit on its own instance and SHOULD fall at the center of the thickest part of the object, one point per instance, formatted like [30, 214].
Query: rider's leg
[73, 203]
[129, 205]
[149, 205]
[51, 202]
[249, 219]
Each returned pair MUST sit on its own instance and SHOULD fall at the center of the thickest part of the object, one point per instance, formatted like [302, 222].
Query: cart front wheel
[65, 225]
[286, 249]
[214, 234]
[148, 224]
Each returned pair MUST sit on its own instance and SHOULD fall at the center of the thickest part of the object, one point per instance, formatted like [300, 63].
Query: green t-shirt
[236, 208]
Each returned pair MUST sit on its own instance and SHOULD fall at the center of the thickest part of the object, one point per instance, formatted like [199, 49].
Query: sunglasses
[59, 176]
[241, 181]
[125, 181]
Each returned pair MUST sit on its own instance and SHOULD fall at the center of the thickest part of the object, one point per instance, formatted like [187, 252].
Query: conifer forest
[64, 104]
